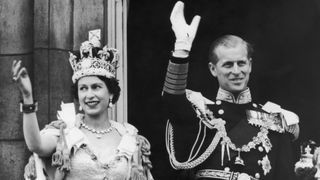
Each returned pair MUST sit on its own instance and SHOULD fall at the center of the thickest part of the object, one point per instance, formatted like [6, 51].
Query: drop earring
[110, 103]
[80, 108]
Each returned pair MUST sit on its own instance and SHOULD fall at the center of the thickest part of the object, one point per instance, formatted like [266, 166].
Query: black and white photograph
[160, 90]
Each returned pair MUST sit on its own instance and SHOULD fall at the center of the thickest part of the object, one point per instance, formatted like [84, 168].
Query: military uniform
[228, 138]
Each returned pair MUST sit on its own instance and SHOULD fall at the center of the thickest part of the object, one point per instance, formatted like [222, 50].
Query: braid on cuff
[176, 77]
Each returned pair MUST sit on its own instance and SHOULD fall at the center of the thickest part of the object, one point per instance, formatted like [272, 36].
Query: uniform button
[221, 111]
[227, 169]
[260, 148]
[257, 175]
[255, 105]
[218, 102]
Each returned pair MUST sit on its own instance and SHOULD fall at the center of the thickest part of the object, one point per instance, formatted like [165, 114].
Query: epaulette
[199, 103]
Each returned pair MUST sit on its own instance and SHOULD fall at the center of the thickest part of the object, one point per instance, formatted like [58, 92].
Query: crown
[94, 60]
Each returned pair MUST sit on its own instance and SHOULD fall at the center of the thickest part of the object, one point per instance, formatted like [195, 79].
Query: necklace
[98, 133]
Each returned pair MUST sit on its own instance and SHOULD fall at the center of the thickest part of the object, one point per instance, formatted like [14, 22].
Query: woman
[89, 145]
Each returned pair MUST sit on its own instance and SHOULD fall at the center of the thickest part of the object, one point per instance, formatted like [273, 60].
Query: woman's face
[93, 95]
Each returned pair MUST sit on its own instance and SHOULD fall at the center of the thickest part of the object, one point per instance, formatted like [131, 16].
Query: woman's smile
[92, 103]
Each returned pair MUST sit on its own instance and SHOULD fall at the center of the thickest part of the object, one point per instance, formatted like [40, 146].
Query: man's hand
[184, 33]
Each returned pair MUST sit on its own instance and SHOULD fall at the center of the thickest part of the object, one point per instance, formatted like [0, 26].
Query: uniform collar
[243, 98]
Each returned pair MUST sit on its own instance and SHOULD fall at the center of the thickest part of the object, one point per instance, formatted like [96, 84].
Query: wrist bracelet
[29, 108]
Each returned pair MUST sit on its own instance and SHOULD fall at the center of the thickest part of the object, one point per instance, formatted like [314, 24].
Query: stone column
[16, 42]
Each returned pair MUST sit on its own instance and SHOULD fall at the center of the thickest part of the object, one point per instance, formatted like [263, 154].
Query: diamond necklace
[98, 133]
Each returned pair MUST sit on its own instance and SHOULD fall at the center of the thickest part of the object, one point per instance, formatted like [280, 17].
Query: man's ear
[212, 68]
[250, 64]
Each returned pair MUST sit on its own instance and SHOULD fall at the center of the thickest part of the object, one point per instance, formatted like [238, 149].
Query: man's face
[232, 69]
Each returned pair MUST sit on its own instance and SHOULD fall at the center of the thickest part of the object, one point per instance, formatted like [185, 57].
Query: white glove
[184, 33]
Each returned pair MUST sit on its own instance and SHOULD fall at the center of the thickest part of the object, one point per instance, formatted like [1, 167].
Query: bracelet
[29, 108]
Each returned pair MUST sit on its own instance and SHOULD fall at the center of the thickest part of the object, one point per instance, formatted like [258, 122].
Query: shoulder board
[199, 102]
[197, 99]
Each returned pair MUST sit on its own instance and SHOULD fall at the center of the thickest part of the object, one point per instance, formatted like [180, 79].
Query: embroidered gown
[130, 161]
[89, 162]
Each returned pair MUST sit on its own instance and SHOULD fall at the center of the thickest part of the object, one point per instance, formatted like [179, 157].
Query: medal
[239, 160]
[266, 165]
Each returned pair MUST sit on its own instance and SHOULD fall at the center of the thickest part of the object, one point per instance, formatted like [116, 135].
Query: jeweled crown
[93, 60]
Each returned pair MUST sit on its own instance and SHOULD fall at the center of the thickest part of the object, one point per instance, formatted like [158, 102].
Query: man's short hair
[228, 41]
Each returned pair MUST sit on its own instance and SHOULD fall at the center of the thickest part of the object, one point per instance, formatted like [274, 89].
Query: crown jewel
[94, 60]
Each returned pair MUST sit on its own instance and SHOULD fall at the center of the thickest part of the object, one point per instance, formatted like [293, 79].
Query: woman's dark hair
[111, 83]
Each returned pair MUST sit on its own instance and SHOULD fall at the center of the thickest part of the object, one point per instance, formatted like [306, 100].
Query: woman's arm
[43, 145]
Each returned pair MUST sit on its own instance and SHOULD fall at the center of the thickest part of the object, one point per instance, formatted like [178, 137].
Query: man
[231, 137]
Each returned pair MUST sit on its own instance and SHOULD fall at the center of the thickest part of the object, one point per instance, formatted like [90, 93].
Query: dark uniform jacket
[254, 152]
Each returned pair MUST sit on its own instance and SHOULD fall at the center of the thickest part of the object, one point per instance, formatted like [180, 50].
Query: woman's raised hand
[184, 32]
[21, 77]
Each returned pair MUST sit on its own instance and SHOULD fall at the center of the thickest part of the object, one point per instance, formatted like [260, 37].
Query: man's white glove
[184, 33]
